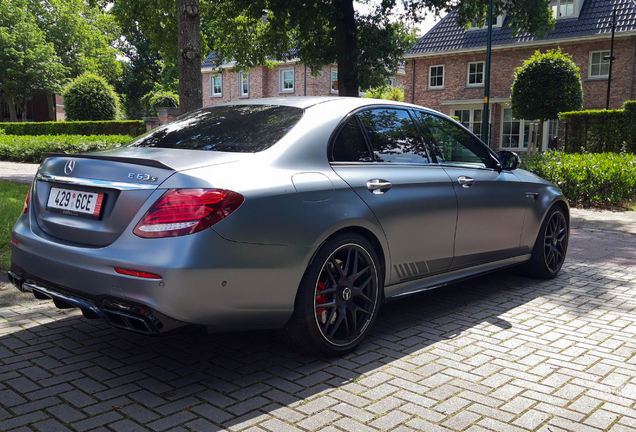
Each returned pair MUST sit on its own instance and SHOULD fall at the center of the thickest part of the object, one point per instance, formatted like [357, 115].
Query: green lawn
[11, 201]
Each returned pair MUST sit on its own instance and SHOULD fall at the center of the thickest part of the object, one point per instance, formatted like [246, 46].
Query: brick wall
[504, 62]
[264, 82]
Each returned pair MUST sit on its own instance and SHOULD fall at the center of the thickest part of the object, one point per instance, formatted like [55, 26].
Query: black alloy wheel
[346, 295]
[555, 242]
[338, 297]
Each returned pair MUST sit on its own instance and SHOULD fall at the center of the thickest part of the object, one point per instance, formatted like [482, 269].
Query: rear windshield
[239, 129]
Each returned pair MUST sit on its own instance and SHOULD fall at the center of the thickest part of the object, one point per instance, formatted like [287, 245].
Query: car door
[381, 155]
[490, 203]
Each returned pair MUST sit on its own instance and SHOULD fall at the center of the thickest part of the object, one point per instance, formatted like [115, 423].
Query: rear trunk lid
[90, 199]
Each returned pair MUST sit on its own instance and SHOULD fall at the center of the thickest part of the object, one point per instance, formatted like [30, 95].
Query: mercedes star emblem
[69, 166]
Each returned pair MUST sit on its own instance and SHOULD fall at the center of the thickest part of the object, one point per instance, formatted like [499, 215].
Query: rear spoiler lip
[131, 160]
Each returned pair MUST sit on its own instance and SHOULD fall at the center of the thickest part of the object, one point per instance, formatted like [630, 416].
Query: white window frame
[471, 119]
[483, 73]
[589, 65]
[334, 70]
[430, 71]
[391, 81]
[498, 24]
[555, 5]
[244, 76]
[213, 94]
[522, 133]
[281, 80]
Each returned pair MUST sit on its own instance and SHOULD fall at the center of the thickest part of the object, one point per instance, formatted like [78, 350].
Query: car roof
[305, 102]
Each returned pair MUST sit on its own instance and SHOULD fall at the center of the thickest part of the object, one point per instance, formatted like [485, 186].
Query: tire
[338, 297]
[550, 248]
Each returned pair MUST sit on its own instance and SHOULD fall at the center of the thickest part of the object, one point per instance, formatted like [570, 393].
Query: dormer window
[497, 22]
[563, 9]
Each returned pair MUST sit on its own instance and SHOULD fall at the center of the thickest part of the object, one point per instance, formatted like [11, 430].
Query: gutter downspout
[631, 84]
[305, 90]
[413, 80]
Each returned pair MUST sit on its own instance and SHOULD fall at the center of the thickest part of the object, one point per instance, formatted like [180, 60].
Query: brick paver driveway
[497, 353]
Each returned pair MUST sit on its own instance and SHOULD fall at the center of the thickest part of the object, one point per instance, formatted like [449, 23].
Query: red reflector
[25, 208]
[186, 211]
[14, 241]
[137, 273]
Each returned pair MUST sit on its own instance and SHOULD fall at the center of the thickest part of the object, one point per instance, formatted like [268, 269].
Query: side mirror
[509, 160]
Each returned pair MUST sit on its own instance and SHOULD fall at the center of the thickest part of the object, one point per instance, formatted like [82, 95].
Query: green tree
[84, 35]
[29, 63]
[545, 85]
[90, 97]
[366, 48]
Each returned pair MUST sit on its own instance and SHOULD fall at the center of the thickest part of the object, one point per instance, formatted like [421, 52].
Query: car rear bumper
[205, 280]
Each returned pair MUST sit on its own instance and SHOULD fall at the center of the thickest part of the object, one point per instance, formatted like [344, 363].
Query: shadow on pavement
[231, 379]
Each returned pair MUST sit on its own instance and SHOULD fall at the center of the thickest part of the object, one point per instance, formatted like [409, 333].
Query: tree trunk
[12, 112]
[51, 99]
[346, 44]
[190, 81]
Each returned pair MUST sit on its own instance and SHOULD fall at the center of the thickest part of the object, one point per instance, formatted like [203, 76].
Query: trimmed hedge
[114, 127]
[588, 180]
[598, 131]
[32, 148]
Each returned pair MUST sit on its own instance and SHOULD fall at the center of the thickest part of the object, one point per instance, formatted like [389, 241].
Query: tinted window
[350, 145]
[241, 128]
[452, 145]
[393, 136]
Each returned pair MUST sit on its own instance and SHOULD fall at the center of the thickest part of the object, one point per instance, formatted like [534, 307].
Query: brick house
[222, 84]
[445, 69]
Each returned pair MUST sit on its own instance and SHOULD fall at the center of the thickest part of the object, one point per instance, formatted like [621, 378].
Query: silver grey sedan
[295, 213]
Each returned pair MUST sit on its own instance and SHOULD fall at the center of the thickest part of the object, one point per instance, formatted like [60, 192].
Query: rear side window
[238, 129]
[350, 145]
[393, 136]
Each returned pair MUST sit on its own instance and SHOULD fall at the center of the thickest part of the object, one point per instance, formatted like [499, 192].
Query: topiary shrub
[159, 98]
[90, 97]
[386, 92]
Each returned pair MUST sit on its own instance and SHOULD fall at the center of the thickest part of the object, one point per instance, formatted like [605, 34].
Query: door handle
[378, 186]
[466, 182]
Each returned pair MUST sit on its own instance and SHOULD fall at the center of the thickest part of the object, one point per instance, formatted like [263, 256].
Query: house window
[216, 85]
[286, 80]
[475, 74]
[436, 76]
[334, 80]
[497, 21]
[564, 8]
[514, 132]
[599, 68]
[470, 118]
[244, 84]
[391, 82]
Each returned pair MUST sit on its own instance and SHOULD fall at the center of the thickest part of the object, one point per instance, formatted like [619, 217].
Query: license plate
[75, 203]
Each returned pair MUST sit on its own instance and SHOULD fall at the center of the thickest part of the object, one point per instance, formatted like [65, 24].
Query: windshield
[239, 128]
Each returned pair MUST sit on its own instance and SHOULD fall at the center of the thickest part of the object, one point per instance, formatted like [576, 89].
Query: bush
[32, 148]
[386, 92]
[90, 97]
[597, 131]
[588, 180]
[124, 127]
[164, 99]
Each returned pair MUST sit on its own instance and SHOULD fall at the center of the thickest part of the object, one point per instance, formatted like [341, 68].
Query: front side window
[475, 74]
[599, 68]
[334, 80]
[244, 84]
[216, 85]
[286, 80]
[436, 76]
[234, 128]
[393, 136]
[350, 145]
[453, 145]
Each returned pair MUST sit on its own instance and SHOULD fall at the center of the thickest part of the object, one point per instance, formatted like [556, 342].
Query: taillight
[137, 273]
[25, 208]
[186, 211]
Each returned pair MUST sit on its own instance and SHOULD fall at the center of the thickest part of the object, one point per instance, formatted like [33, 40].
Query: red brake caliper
[321, 312]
